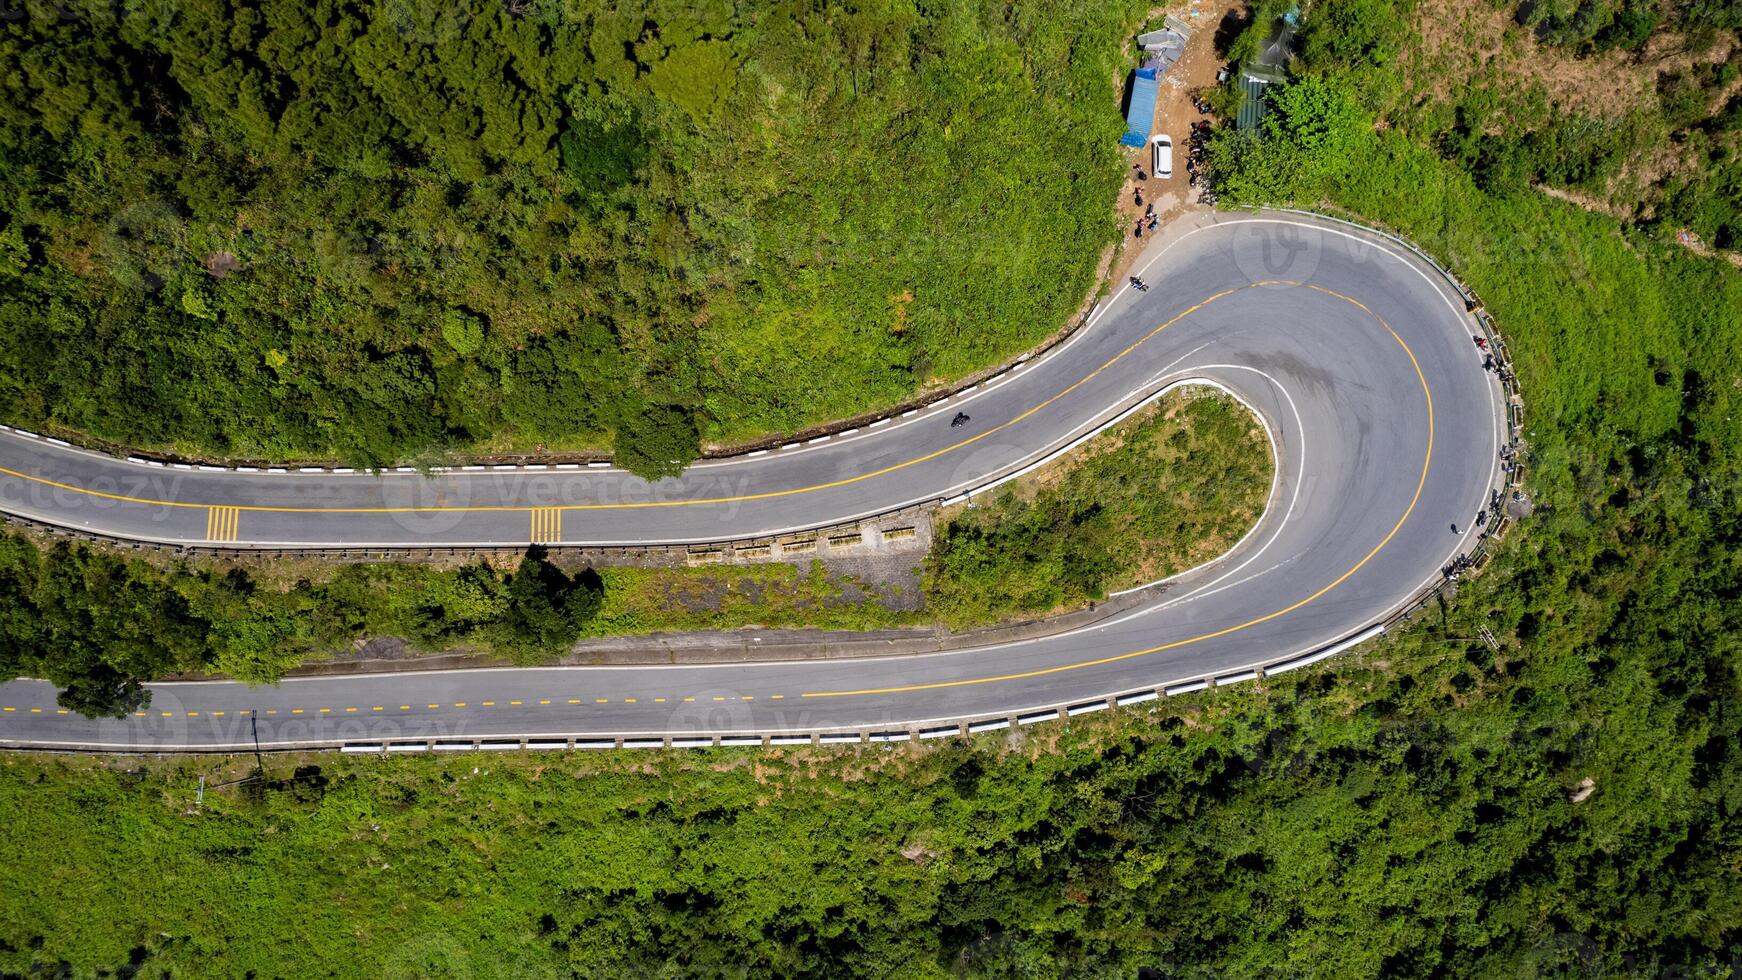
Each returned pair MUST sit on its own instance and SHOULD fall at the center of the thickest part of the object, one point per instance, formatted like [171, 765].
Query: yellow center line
[640, 505]
[1427, 458]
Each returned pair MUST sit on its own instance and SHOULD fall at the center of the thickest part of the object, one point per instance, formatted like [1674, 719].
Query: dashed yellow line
[222, 521]
[543, 702]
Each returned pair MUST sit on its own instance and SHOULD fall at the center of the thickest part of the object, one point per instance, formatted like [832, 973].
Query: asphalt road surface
[1357, 356]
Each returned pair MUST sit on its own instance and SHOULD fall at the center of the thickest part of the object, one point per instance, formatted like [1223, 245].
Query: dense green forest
[376, 230]
[1409, 815]
[1407, 810]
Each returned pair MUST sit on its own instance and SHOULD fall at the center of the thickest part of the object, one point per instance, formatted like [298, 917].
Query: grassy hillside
[382, 229]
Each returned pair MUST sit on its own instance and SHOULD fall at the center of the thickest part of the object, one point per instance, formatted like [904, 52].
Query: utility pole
[259, 761]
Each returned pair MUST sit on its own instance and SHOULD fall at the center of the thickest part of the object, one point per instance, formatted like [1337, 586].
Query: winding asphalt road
[1356, 354]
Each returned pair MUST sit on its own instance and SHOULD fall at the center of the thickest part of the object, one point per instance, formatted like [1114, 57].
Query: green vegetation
[1169, 489]
[1615, 606]
[381, 229]
[1571, 97]
[98, 624]
[1409, 818]
[1165, 492]
[1405, 812]
[775, 596]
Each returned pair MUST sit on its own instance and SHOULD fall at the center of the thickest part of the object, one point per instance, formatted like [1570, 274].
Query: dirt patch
[1465, 43]
[220, 264]
[1195, 72]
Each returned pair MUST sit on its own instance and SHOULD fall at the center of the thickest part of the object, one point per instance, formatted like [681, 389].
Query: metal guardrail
[868, 735]
[966, 727]
[1514, 449]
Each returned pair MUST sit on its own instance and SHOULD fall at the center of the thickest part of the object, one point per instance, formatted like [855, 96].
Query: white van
[1161, 156]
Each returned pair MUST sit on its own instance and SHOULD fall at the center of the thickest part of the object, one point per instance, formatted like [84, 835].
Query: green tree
[547, 609]
[659, 441]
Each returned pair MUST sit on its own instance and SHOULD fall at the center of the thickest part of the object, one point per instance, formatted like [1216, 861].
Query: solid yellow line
[766, 495]
[1061, 668]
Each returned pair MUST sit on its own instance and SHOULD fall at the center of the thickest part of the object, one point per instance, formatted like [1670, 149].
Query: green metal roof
[1251, 102]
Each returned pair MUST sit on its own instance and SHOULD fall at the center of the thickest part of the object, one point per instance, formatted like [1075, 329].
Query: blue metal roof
[1141, 116]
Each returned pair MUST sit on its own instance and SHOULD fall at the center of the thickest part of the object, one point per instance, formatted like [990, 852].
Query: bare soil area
[1174, 115]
